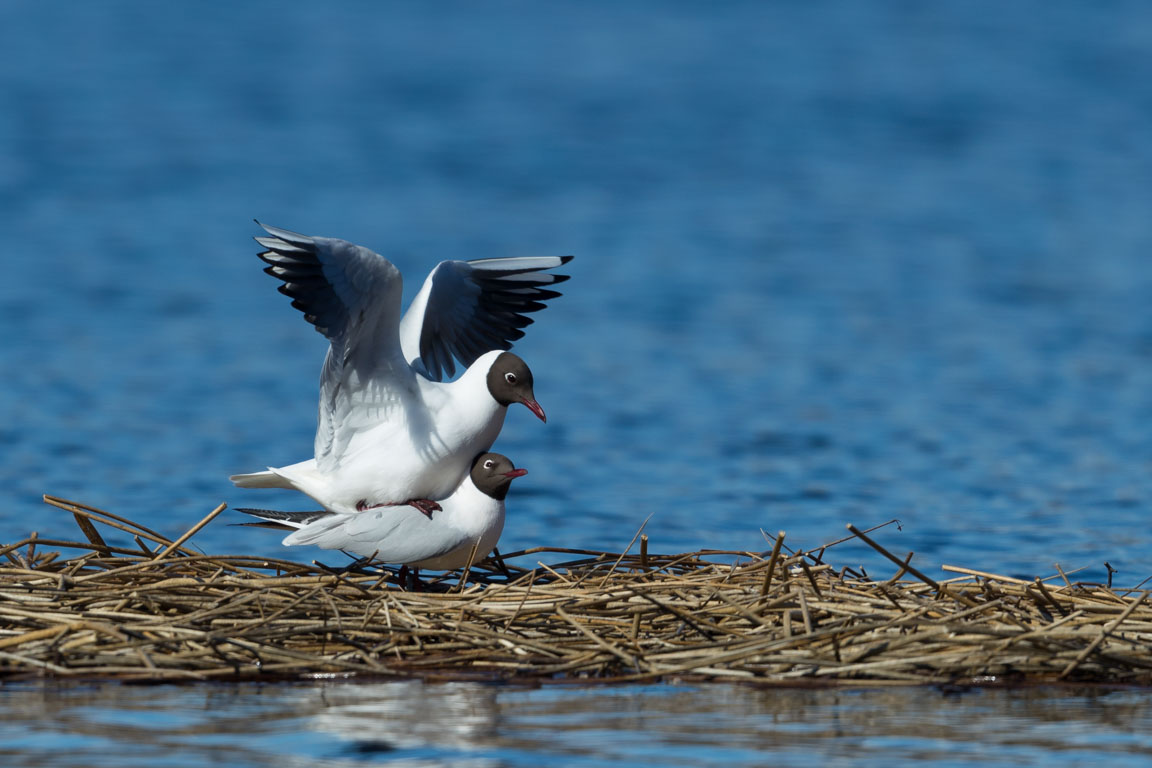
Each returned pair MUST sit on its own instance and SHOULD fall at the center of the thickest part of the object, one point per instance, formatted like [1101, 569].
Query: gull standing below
[390, 431]
[463, 533]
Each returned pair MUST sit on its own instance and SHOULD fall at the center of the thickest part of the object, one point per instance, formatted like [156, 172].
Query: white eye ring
[489, 464]
[510, 377]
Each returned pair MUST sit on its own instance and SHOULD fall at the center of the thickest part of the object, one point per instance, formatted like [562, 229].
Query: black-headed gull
[463, 532]
[390, 431]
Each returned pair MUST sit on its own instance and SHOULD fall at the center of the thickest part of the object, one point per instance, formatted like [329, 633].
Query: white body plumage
[463, 531]
[389, 431]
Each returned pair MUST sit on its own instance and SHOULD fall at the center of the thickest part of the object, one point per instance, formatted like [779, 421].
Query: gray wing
[399, 535]
[352, 296]
[467, 308]
[394, 534]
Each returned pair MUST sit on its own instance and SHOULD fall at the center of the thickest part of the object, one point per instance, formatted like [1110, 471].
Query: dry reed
[160, 611]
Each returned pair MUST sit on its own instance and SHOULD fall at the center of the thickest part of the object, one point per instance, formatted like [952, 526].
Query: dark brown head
[510, 381]
[493, 473]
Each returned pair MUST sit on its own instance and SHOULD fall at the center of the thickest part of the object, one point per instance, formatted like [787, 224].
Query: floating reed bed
[161, 611]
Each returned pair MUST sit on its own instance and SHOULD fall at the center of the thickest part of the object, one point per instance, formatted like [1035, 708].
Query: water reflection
[415, 724]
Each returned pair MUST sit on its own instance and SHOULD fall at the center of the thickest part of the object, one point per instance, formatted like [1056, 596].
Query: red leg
[426, 506]
[409, 578]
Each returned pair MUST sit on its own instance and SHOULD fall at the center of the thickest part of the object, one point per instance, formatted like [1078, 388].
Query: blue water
[409, 724]
[836, 262]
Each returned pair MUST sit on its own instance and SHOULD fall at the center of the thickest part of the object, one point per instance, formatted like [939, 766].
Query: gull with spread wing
[390, 430]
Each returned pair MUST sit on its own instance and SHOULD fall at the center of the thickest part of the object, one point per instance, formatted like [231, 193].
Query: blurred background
[835, 262]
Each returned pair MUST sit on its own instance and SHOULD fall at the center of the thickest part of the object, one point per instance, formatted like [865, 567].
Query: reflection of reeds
[163, 611]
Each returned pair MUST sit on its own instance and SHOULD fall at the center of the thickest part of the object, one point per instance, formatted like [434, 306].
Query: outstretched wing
[467, 308]
[352, 296]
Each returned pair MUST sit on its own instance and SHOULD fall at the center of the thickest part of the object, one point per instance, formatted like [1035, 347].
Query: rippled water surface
[836, 262]
[833, 263]
[491, 726]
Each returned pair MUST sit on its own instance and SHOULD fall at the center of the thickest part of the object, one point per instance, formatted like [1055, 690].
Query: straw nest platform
[157, 610]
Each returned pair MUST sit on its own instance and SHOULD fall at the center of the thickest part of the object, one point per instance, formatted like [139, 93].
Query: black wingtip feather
[541, 294]
[515, 320]
[276, 515]
[268, 524]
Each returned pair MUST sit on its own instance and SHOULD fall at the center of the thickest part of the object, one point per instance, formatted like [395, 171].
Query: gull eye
[489, 464]
[510, 377]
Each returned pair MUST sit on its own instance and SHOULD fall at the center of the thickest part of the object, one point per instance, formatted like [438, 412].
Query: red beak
[516, 473]
[535, 408]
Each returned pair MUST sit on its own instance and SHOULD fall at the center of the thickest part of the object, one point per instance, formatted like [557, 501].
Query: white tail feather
[269, 479]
